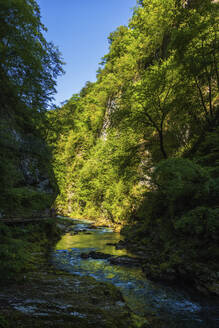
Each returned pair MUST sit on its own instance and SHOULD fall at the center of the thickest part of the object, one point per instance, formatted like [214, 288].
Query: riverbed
[173, 306]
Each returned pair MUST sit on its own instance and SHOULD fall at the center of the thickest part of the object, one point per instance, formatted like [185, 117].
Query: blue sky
[80, 29]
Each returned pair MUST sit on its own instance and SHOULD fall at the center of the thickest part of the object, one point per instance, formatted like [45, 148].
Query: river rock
[77, 230]
[125, 260]
[84, 255]
[95, 255]
[70, 228]
[61, 226]
[214, 288]
[116, 260]
[120, 245]
[93, 227]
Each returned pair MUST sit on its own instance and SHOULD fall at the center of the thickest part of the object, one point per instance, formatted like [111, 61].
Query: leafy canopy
[29, 64]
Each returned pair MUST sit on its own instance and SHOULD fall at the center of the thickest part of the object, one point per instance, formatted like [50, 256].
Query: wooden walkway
[22, 220]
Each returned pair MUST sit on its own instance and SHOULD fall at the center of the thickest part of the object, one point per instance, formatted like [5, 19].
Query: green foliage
[106, 180]
[181, 181]
[146, 105]
[3, 322]
[14, 254]
[25, 201]
[140, 145]
[178, 219]
[29, 64]
[201, 221]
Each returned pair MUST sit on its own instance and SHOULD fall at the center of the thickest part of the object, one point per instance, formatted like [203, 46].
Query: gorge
[136, 151]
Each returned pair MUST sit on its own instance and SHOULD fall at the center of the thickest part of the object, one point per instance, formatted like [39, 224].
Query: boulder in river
[116, 260]
[125, 260]
[95, 255]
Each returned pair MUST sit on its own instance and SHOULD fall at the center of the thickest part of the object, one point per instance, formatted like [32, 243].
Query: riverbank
[202, 277]
[23, 246]
[38, 295]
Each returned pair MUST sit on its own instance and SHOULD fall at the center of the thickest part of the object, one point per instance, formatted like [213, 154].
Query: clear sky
[80, 29]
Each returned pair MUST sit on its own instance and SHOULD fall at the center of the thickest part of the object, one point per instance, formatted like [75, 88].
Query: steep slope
[155, 98]
[139, 146]
[29, 66]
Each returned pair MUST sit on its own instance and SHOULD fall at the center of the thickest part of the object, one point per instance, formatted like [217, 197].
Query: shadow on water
[143, 296]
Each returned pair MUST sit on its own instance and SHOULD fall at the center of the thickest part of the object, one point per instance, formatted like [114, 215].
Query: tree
[29, 64]
[196, 44]
[152, 99]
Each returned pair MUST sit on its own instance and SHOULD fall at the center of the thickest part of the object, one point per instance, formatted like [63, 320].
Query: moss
[19, 247]
[66, 301]
[140, 322]
[164, 266]
[3, 322]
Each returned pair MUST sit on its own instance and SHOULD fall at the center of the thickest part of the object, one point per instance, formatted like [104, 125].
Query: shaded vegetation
[20, 247]
[29, 66]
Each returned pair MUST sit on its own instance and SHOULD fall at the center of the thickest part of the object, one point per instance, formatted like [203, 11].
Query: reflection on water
[143, 296]
[96, 239]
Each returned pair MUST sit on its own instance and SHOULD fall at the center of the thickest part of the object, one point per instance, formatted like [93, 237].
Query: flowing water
[176, 308]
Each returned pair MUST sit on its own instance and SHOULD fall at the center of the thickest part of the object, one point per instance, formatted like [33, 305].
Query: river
[177, 308]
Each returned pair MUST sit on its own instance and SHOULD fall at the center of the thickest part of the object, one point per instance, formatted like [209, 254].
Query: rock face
[28, 186]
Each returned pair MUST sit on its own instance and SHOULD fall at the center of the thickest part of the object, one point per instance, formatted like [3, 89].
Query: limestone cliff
[27, 184]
